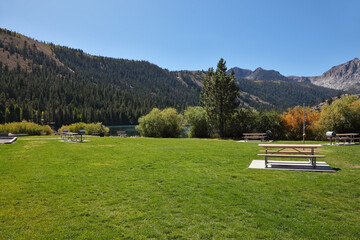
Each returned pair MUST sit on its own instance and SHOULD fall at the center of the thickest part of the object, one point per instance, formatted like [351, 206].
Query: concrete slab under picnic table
[7, 140]
[292, 166]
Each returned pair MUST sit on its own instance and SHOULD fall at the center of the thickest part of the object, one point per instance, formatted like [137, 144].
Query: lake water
[129, 129]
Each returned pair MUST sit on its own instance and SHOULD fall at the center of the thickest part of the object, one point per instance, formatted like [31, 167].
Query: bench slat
[291, 156]
[285, 152]
[290, 145]
[254, 134]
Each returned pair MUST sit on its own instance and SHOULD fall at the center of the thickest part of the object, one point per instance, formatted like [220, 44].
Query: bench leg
[313, 162]
[266, 162]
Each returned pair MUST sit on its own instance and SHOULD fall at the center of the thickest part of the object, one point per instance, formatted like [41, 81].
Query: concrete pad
[292, 166]
[341, 144]
[69, 141]
[8, 140]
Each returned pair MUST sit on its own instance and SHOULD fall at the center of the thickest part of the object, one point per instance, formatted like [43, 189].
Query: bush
[166, 123]
[293, 123]
[196, 117]
[88, 127]
[242, 121]
[271, 120]
[342, 116]
[25, 127]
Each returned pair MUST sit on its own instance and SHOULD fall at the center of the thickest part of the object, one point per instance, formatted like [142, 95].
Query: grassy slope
[171, 188]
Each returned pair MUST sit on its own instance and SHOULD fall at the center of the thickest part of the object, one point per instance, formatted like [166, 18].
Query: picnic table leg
[313, 159]
[266, 160]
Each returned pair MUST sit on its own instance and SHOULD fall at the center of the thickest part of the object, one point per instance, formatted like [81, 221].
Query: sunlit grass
[171, 188]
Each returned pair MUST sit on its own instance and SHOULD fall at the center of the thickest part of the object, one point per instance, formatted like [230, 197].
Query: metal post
[303, 123]
[266, 160]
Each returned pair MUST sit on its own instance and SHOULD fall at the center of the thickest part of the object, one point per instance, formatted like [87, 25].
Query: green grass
[137, 188]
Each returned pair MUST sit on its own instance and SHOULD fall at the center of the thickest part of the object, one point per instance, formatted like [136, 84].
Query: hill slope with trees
[64, 85]
[43, 82]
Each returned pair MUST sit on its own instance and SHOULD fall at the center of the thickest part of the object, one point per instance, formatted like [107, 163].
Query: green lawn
[137, 188]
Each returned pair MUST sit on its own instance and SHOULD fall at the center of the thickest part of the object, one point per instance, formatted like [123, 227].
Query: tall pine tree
[219, 95]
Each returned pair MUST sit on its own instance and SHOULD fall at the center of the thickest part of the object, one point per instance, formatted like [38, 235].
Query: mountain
[43, 82]
[262, 74]
[239, 72]
[342, 77]
[268, 89]
[280, 95]
[258, 74]
[64, 85]
[269, 94]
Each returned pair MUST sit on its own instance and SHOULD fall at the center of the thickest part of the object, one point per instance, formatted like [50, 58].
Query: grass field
[137, 188]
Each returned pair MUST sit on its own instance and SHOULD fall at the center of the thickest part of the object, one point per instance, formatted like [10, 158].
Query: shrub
[25, 127]
[196, 117]
[271, 120]
[243, 120]
[88, 127]
[342, 116]
[293, 123]
[166, 123]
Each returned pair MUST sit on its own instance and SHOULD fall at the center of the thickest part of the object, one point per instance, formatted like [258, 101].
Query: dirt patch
[108, 145]
[357, 166]
[100, 164]
[34, 144]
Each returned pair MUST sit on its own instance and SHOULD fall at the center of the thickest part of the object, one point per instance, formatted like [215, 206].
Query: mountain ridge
[344, 76]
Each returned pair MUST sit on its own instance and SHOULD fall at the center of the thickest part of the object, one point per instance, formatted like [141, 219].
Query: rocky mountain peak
[239, 72]
[258, 69]
[258, 74]
[345, 76]
[262, 74]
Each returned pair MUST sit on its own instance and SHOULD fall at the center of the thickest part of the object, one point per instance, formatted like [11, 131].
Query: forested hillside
[66, 85]
[43, 82]
[280, 95]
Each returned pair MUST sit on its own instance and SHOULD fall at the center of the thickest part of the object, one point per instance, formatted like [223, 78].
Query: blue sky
[304, 37]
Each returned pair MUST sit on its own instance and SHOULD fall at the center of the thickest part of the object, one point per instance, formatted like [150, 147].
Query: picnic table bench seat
[121, 133]
[254, 136]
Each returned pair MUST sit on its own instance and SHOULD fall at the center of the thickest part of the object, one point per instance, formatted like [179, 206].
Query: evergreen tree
[220, 95]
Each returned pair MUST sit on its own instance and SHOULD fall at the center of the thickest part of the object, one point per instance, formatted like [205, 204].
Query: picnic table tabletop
[347, 134]
[291, 145]
[254, 133]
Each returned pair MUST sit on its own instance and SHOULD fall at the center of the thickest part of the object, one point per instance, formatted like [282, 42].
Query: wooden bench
[121, 133]
[254, 136]
[290, 151]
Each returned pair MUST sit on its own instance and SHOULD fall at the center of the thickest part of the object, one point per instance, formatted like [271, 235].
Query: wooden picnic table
[351, 137]
[78, 137]
[291, 151]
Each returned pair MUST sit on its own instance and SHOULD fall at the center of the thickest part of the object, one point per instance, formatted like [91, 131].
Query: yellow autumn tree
[293, 122]
[342, 116]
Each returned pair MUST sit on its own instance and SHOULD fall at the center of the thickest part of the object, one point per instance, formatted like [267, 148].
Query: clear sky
[294, 37]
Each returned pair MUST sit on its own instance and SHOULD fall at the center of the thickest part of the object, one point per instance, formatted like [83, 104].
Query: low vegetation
[341, 116]
[138, 188]
[89, 128]
[198, 121]
[25, 127]
[165, 123]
